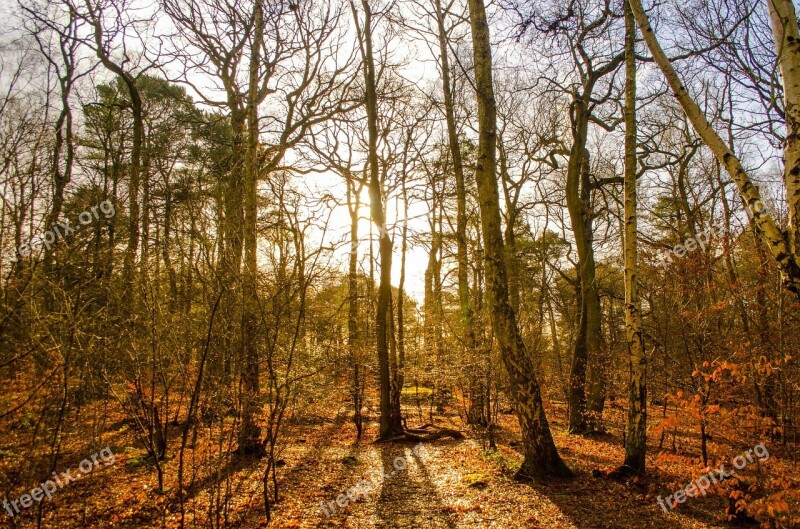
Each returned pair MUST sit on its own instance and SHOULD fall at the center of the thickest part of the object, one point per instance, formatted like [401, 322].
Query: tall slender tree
[249, 432]
[541, 455]
[636, 431]
[390, 421]
[783, 17]
[475, 414]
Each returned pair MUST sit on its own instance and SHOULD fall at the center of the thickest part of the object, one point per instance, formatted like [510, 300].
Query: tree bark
[458, 171]
[587, 347]
[399, 375]
[511, 199]
[597, 359]
[353, 204]
[787, 44]
[390, 422]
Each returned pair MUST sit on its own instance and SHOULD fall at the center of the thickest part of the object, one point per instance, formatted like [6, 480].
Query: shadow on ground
[408, 498]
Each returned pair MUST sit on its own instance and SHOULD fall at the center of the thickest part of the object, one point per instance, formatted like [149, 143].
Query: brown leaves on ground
[448, 484]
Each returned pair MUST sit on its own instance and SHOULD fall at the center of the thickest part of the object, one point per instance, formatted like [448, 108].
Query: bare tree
[391, 425]
[541, 456]
[636, 433]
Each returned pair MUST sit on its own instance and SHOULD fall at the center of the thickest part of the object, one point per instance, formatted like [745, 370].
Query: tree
[103, 45]
[583, 33]
[787, 45]
[476, 412]
[541, 455]
[64, 63]
[636, 431]
[391, 421]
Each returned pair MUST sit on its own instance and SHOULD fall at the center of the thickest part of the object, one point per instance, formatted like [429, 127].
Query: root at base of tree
[427, 432]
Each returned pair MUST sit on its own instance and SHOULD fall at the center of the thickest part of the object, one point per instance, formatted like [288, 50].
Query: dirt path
[408, 498]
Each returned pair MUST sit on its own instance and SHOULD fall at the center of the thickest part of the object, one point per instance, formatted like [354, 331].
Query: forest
[426, 264]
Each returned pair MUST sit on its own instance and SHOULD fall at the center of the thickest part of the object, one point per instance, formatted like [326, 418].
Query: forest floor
[445, 484]
[452, 484]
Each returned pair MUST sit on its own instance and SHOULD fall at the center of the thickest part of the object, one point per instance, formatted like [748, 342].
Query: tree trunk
[250, 434]
[512, 263]
[353, 204]
[787, 44]
[231, 247]
[577, 421]
[399, 378]
[167, 247]
[390, 422]
[541, 457]
[432, 322]
[597, 360]
[133, 191]
[587, 349]
[63, 139]
[636, 432]
[475, 413]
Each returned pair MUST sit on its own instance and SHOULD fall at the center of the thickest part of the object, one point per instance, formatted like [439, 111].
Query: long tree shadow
[322, 471]
[235, 464]
[409, 498]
